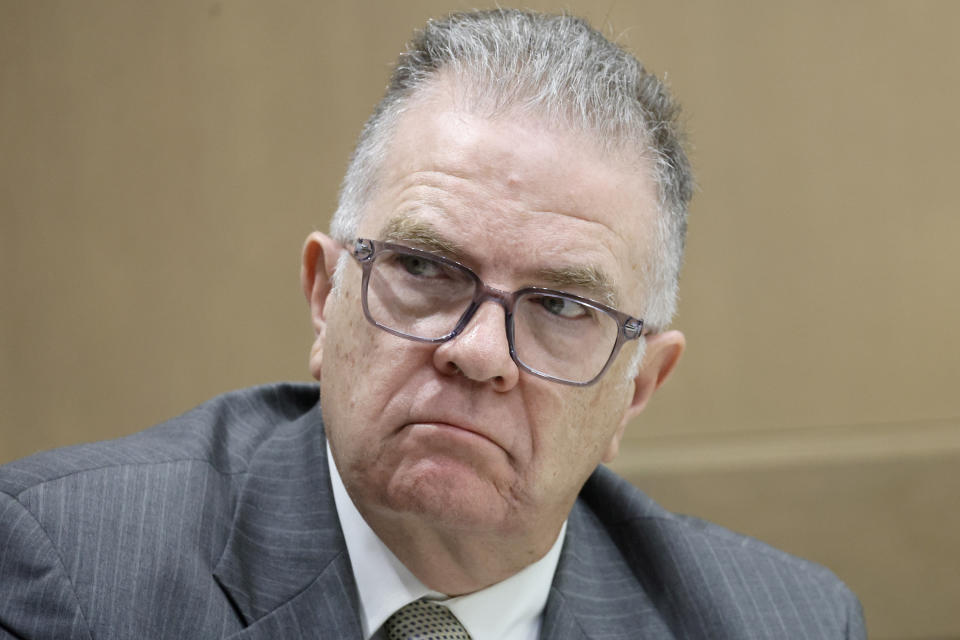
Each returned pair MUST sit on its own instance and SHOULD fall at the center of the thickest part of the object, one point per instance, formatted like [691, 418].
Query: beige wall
[161, 163]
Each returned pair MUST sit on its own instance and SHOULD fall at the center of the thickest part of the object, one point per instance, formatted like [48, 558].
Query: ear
[663, 351]
[319, 261]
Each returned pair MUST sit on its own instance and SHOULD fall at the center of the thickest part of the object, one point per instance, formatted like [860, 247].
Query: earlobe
[663, 351]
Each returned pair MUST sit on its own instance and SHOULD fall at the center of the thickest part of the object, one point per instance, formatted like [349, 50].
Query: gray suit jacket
[221, 524]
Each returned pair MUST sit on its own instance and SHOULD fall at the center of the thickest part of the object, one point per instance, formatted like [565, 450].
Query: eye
[564, 307]
[419, 266]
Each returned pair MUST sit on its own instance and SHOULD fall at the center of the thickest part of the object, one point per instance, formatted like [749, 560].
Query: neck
[457, 562]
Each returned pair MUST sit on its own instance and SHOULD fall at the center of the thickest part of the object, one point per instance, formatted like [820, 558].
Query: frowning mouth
[468, 435]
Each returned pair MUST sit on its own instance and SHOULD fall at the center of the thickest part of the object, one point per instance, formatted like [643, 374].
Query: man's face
[455, 433]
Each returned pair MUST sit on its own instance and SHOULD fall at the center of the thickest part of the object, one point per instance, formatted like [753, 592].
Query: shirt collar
[384, 584]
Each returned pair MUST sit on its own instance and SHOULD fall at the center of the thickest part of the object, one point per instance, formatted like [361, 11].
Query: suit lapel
[559, 622]
[596, 592]
[285, 567]
[325, 610]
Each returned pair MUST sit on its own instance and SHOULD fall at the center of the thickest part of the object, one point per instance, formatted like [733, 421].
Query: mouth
[463, 434]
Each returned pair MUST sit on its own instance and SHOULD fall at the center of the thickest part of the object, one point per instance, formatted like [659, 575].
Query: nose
[481, 352]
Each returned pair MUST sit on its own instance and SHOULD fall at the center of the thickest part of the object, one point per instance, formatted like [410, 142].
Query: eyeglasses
[421, 296]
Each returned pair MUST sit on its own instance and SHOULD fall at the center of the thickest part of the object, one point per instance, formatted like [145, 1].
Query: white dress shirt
[509, 610]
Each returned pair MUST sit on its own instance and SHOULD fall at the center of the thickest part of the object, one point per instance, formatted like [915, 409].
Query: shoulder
[221, 434]
[93, 533]
[188, 469]
[629, 515]
[699, 571]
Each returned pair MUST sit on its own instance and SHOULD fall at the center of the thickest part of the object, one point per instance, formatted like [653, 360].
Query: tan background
[161, 162]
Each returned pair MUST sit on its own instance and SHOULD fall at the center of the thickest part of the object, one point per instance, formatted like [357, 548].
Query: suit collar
[285, 558]
[597, 592]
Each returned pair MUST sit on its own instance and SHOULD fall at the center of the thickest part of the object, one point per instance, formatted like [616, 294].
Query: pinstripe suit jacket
[221, 524]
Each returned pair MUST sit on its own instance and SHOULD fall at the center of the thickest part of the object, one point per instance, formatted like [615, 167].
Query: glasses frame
[364, 251]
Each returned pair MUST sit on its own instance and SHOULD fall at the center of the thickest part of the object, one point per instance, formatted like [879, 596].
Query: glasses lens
[562, 337]
[417, 295]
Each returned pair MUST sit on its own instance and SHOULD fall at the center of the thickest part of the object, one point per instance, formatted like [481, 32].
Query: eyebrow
[423, 234]
[589, 278]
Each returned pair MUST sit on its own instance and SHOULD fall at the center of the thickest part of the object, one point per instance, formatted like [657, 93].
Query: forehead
[513, 191]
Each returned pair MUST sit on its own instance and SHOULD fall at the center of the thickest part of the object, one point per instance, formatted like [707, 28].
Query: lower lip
[449, 430]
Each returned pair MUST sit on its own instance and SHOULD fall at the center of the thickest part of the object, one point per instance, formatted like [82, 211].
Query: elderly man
[490, 312]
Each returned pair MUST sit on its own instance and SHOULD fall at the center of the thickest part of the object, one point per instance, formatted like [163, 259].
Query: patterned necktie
[425, 620]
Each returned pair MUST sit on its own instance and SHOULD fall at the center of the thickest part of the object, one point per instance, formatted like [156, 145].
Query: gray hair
[559, 68]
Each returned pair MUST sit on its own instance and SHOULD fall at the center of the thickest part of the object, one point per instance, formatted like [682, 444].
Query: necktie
[425, 620]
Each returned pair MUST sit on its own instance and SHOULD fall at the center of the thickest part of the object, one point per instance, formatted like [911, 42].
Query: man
[490, 311]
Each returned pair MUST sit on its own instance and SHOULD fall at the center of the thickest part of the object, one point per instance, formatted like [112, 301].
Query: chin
[449, 494]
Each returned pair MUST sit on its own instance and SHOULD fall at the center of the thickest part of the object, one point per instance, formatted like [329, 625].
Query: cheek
[352, 353]
[364, 370]
[576, 430]
[346, 349]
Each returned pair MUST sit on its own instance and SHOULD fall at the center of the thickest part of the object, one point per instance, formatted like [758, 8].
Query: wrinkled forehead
[524, 175]
[621, 160]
